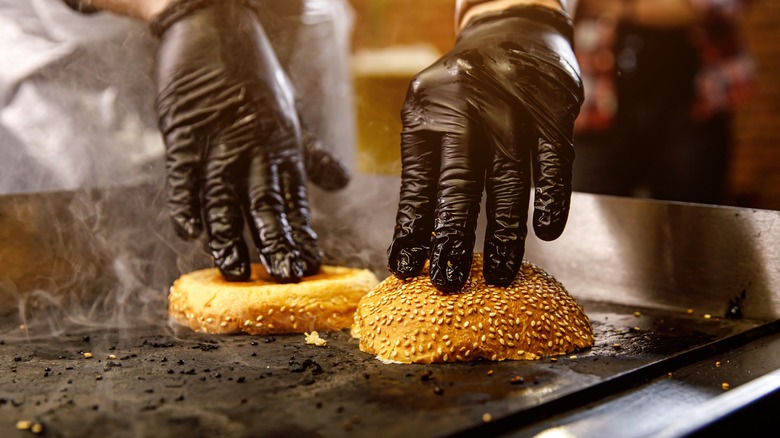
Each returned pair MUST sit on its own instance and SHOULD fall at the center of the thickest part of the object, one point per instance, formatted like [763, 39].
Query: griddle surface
[185, 384]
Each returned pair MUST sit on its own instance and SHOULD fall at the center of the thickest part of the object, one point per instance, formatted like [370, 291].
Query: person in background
[496, 113]
[662, 80]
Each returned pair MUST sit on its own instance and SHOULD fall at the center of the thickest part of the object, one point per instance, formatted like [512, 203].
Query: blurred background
[394, 39]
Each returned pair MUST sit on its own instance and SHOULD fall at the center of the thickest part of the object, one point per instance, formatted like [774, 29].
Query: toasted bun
[410, 321]
[205, 302]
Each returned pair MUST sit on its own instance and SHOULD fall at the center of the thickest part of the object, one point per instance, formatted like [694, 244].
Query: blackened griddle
[147, 379]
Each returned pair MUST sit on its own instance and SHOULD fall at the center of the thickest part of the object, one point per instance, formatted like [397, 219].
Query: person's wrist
[152, 8]
[467, 12]
[140, 9]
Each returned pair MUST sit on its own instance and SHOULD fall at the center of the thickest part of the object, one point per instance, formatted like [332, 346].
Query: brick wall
[755, 168]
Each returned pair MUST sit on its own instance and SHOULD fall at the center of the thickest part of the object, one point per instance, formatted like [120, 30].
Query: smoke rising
[102, 255]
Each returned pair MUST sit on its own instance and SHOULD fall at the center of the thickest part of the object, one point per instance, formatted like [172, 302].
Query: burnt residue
[735, 306]
[148, 381]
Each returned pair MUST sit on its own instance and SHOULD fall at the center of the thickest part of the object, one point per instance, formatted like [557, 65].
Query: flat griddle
[87, 271]
[166, 382]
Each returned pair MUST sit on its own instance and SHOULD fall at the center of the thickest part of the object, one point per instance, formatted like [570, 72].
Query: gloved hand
[494, 113]
[235, 148]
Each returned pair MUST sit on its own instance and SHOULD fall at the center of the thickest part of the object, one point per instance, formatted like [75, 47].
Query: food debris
[36, 428]
[636, 329]
[725, 386]
[490, 372]
[314, 338]
[112, 356]
[617, 346]
[690, 311]
[573, 357]
[669, 374]
[87, 355]
[553, 359]
[23, 425]
[516, 380]
[486, 417]
[717, 364]
[637, 314]
[707, 316]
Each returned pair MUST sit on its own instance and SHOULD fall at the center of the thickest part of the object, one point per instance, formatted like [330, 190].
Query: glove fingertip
[188, 228]
[450, 269]
[284, 266]
[406, 260]
[548, 228]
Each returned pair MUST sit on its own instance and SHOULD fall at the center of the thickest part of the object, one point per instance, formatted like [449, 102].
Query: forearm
[140, 9]
[466, 11]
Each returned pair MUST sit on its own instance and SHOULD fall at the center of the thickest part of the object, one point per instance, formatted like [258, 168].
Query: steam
[83, 117]
[93, 259]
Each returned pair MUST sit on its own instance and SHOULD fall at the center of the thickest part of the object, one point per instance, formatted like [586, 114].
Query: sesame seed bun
[410, 321]
[205, 302]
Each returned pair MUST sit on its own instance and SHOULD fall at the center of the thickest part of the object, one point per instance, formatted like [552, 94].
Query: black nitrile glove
[235, 148]
[496, 111]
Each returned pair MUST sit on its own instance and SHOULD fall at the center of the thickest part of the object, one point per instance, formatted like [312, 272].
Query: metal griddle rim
[617, 383]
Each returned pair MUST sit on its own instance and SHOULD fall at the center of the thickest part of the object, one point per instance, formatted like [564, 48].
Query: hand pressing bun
[205, 302]
[410, 321]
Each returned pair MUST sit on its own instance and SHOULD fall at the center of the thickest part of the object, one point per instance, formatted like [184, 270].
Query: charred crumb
[180, 362]
[253, 343]
[307, 364]
[179, 398]
[241, 379]
[158, 344]
[517, 380]
[110, 365]
[269, 339]
[85, 338]
[438, 390]
[205, 347]
[426, 376]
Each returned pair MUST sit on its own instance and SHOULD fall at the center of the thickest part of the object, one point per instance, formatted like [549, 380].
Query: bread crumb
[487, 418]
[23, 425]
[725, 386]
[314, 338]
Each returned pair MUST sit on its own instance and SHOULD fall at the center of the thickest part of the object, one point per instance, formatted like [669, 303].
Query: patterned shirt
[724, 77]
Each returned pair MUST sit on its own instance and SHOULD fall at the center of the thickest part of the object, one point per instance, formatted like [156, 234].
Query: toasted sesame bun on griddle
[205, 302]
[410, 321]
